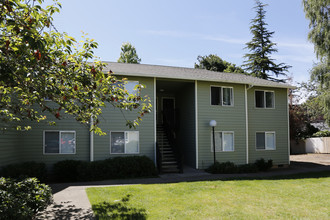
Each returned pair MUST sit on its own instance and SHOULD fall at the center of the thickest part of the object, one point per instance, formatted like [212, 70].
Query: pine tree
[128, 54]
[259, 63]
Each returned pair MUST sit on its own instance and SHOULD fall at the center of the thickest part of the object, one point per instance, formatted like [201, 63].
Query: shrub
[227, 167]
[113, 168]
[24, 170]
[66, 170]
[263, 165]
[248, 168]
[24, 199]
[322, 134]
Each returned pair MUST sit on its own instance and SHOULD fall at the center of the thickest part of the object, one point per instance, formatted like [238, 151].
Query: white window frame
[264, 91]
[222, 87]
[59, 144]
[266, 147]
[138, 152]
[222, 150]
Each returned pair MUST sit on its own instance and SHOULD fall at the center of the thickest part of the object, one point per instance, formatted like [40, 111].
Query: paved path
[71, 202]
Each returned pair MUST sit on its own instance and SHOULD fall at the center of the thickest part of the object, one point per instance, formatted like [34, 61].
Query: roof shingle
[168, 72]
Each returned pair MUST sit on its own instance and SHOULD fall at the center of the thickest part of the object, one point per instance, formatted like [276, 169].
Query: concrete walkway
[71, 202]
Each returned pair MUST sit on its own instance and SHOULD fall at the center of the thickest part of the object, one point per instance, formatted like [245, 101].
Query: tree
[215, 63]
[317, 11]
[259, 63]
[37, 62]
[128, 54]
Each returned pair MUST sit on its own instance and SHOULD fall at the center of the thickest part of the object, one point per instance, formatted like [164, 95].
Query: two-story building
[251, 114]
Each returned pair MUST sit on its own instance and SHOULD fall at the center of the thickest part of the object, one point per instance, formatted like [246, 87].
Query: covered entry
[175, 114]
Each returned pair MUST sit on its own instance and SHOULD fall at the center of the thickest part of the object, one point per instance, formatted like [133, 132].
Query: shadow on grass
[118, 210]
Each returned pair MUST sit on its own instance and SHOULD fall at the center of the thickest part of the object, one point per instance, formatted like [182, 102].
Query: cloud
[182, 34]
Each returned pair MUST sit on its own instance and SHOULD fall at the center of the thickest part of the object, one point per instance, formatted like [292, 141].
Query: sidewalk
[71, 202]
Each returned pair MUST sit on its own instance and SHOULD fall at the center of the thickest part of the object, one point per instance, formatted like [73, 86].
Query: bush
[322, 134]
[248, 168]
[66, 170]
[113, 168]
[229, 167]
[24, 170]
[24, 199]
[263, 165]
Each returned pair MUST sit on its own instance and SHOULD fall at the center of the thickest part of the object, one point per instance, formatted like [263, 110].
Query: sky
[176, 32]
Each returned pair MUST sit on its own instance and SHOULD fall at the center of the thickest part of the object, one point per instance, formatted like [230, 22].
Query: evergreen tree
[259, 63]
[128, 54]
[215, 63]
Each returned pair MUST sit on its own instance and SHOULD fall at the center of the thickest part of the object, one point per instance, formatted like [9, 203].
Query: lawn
[301, 197]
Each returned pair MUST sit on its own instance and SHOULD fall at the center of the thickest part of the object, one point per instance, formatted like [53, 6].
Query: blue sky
[174, 33]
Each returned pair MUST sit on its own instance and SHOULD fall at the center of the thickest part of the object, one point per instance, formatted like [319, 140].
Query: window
[124, 142]
[221, 96]
[265, 141]
[264, 99]
[224, 141]
[130, 86]
[59, 142]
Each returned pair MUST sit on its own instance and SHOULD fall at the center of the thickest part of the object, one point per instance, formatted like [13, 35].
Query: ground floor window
[265, 141]
[224, 141]
[59, 142]
[124, 142]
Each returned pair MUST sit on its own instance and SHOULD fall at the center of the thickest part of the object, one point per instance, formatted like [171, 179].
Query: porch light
[213, 123]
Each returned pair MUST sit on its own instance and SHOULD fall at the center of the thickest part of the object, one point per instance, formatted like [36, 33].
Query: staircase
[169, 162]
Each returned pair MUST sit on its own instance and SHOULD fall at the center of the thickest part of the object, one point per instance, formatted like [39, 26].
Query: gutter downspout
[247, 122]
[288, 114]
[91, 141]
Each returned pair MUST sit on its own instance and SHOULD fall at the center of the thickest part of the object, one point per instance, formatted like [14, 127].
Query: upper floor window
[222, 96]
[130, 86]
[264, 99]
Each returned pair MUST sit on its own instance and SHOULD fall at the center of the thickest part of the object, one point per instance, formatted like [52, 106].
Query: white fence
[318, 145]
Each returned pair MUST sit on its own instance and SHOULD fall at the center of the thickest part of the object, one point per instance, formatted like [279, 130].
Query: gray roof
[169, 72]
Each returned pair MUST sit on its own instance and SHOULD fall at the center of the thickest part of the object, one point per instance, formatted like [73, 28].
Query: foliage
[317, 11]
[215, 63]
[23, 200]
[322, 134]
[112, 168]
[128, 54]
[300, 123]
[258, 62]
[227, 199]
[24, 170]
[320, 75]
[37, 62]
[66, 170]
[118, 210]
[263, 165]
[229, 167]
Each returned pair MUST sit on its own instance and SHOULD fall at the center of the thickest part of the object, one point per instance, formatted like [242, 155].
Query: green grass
[297, 197]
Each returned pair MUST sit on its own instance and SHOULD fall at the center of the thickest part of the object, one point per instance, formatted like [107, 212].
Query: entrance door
[168, 111]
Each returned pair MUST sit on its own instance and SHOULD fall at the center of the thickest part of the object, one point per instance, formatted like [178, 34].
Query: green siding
[269, 120]
[31, 142]
[229, 118]
[114, 120]
[9, 144]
